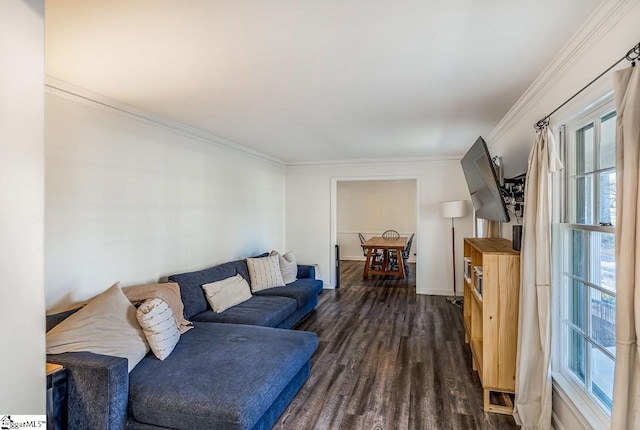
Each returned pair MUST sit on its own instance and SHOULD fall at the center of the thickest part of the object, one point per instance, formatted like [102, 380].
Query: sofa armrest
[97, 389]
[305, 271]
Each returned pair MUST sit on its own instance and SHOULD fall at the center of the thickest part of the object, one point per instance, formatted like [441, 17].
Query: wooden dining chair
[376, 257]
[362, 241]
[406, 253]
[391, 234]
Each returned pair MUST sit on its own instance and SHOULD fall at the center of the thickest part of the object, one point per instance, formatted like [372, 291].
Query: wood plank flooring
[388, 359]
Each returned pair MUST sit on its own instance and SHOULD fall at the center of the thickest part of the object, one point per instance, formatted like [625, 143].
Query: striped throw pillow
[264, 273]
[159, 326]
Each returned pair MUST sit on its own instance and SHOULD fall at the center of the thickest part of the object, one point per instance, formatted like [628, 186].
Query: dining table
[386, 245]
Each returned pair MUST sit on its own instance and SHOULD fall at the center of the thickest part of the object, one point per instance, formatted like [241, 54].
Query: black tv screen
[483, 183]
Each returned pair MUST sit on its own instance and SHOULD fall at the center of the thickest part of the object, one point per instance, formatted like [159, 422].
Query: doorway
[372, 205]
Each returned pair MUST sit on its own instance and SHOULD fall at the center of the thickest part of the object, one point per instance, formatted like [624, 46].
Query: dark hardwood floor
[388, 359]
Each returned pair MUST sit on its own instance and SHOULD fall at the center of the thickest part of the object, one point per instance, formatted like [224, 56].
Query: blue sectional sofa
[235, 370]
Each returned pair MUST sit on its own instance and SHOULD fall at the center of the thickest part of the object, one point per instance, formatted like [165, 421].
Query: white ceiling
[305, 80]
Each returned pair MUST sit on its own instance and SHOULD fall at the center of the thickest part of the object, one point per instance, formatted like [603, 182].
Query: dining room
[376, 226]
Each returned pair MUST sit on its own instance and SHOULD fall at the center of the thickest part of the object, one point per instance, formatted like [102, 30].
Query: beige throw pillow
[265, 273]
[159, 325]
[169, 292]
[288, 266]
[227, 293]
[106, 325]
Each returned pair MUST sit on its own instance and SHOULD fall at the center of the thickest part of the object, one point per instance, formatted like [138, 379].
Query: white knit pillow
[159, 325]
[227, 293]
[264, 273]
[288, 266]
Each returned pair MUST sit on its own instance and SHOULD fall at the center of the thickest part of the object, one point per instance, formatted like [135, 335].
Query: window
[586, 256]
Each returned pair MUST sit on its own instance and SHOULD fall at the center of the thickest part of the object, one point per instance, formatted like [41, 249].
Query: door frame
[333, 237]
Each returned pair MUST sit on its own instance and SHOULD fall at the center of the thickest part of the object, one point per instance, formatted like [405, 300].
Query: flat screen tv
[483, 183]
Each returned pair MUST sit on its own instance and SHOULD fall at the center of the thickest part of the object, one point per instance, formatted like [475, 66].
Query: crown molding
[65, 89]
[73, 92]
[599, 23]
[370, 161]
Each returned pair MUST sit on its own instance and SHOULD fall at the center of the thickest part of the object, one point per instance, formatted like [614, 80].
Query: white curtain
[626, 388]
[533, 364]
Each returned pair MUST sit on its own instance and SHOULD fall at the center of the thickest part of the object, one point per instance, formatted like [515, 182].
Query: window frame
[565, 383]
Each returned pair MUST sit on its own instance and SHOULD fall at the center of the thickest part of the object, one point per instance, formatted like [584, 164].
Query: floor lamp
[454, 209]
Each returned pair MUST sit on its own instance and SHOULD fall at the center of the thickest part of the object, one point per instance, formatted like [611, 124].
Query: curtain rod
[633, 55]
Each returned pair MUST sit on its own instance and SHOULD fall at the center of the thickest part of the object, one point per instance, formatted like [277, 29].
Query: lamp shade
[453, 209]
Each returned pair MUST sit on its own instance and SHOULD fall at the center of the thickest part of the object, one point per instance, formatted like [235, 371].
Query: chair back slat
[391, 234]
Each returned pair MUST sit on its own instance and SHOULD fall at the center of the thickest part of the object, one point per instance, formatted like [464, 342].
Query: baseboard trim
[436, 292]
[556, 424]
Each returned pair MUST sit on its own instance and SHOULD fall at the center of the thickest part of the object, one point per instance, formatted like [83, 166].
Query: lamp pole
[454, 209]
[453, 258]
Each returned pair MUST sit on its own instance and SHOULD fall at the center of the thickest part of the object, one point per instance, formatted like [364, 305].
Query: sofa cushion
[106, 325]
[306, 271]
[264, 273]
[316, 284]
[218, 376]
[227, 293]
[55, 319]
[263, 311]
[301, 293]
[242, 269]
[191, 284]
[298, 315]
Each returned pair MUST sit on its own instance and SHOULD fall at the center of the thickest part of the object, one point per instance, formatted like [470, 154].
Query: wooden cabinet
[491, 292]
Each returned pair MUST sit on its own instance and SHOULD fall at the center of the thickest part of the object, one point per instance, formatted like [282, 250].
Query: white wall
[308, 201]
[593, 50]
[21, 217]
[132, 201]
[513, 138]
[371, 208]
